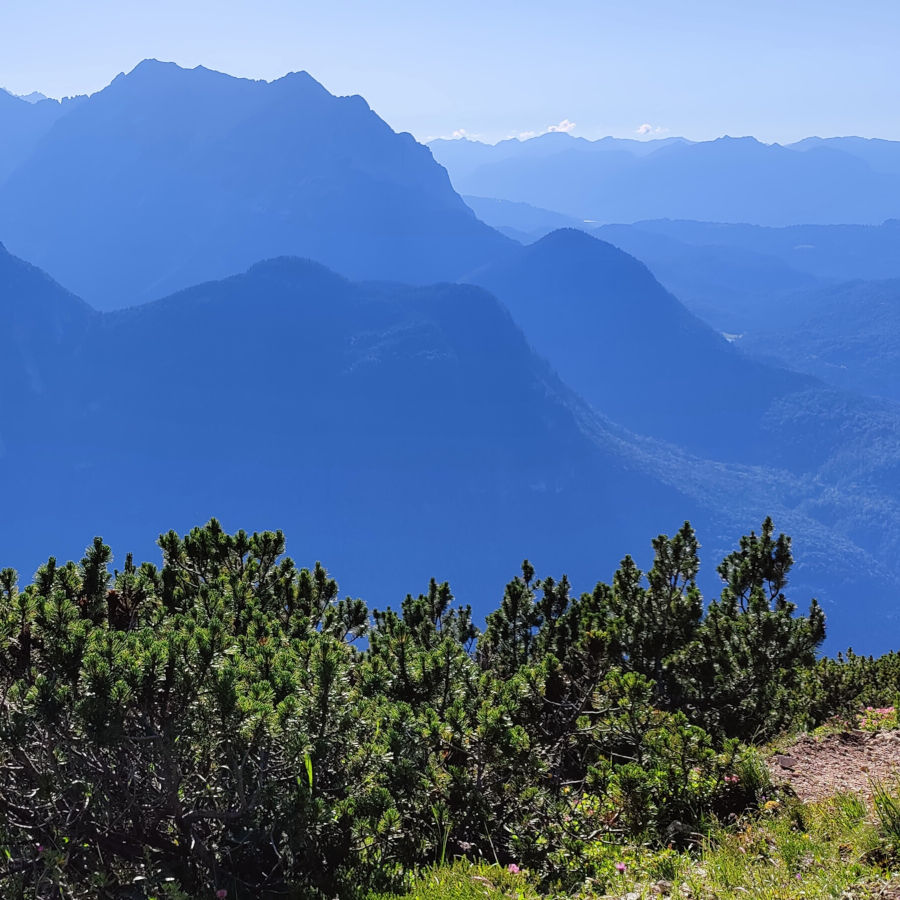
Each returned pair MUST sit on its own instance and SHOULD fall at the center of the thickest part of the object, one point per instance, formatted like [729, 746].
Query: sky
[777, 69]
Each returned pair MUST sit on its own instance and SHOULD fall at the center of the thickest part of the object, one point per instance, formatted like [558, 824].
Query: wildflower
[620, 868]
[221, 894]
[771, 804]
[40, 848]
[514, 868]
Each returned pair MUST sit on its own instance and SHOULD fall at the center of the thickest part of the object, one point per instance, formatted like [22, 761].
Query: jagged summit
[156, 72]
[170, 177]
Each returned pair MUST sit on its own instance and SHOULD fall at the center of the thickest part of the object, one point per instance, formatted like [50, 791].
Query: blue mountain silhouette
[171, 176]
[726, 180]
[394, 432]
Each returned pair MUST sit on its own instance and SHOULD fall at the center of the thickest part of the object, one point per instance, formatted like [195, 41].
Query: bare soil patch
[847, 762]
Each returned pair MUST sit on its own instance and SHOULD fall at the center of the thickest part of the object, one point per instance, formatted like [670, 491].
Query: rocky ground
[817, 768]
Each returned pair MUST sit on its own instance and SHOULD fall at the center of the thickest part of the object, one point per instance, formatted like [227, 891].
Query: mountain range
[170, 176]
[757, 284]
[731, 179]
[395, 432]
[632, 350]
[553, 399]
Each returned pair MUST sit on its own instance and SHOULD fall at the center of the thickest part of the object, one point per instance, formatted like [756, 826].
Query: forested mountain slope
[398, 432]
[637, 355]
[848, 335]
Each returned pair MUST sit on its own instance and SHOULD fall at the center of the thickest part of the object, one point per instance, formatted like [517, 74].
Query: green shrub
[212, 725]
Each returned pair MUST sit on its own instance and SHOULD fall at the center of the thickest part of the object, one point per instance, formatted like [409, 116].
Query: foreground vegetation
[219, 728]
[825, 850]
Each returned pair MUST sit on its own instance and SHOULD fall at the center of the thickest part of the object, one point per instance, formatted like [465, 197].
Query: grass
[462, 880]
[803, 851]
[833, 849]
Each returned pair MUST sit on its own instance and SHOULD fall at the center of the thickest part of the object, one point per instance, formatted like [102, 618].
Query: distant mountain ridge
[31, 97]
[628, 347]
[171, 176]
[631, 349]
[740, 279]
[464, 156]
[731, 179]
[409, 430]
[743, 278]
[840, 251]
[402, 431]
[396, 432]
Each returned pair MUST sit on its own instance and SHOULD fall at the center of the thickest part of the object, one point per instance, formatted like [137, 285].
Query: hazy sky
[777, 69]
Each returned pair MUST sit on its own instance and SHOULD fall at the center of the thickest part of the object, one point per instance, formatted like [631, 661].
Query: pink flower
[221, 894]
[512, 867]
[40, 848]
[621, 867]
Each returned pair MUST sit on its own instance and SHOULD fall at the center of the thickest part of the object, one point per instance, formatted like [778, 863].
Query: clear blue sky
[777, 69]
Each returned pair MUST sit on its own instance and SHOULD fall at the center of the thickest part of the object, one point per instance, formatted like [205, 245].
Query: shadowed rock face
[170, 176]
[41, 325]
[23, 122]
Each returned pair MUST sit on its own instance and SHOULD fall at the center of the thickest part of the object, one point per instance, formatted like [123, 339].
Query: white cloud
[648, 129]
[459, 135]
[565, 126]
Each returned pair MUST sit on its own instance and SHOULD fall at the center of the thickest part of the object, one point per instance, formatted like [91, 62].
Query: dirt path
[816, 769]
